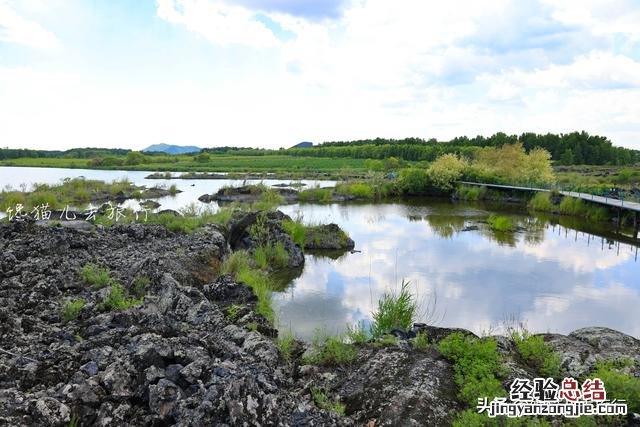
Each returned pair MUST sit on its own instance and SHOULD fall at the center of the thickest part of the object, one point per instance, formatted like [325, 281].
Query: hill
[172, 149]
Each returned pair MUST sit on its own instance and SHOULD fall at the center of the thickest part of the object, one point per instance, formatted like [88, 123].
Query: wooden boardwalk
[621, 204]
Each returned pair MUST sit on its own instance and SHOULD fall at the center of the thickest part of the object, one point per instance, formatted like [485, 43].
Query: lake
[556, 275]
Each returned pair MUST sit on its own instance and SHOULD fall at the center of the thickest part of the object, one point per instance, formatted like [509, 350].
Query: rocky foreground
[179, 359]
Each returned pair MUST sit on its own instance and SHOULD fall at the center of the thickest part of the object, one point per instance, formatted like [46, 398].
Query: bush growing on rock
[477, 364]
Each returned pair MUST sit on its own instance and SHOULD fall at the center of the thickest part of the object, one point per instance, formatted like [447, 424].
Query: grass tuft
[72, 308]
[117, 299]
[395, 311]
[322, 401]
[95, 275]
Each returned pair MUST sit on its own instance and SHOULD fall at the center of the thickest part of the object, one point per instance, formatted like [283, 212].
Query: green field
[215, 163]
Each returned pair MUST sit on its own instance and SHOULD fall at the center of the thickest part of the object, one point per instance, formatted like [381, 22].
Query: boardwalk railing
[601, 199]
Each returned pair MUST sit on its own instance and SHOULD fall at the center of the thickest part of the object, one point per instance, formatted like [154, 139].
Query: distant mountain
[173, 149]
[305, 144]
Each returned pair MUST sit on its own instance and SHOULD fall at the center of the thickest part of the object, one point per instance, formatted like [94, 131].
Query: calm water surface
[555, 277]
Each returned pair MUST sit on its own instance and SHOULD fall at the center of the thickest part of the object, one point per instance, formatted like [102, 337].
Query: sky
[272, 73]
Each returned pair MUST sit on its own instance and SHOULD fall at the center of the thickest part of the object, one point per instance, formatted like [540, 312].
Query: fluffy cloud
[16, 29]
[329, 70]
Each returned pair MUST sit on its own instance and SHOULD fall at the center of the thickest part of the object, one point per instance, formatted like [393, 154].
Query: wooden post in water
[619, 220]
[636, 224]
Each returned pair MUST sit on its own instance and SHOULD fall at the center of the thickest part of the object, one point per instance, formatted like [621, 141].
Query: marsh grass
[316, 194]
[501, 223]
[541, 201]
[396, 310]
[296, 230]
[141, 286]
[271, 256]
[262, 287]
[470, 192]
[421, 341]
[359, 190]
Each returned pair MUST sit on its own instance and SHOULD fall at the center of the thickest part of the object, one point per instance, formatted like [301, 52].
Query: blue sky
[125, 73]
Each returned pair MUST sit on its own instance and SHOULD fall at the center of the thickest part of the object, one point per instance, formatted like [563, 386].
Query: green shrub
[322, 401]
[619, 385]
[117, 299]
[95, 275]
[537, 354]
[477, 366]
[72, 308]
[395, 311]
[330, 350]
[541, 201]
[501, 223]
[414, 181]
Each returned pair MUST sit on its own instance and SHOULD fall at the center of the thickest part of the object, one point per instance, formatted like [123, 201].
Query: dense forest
[574, 148]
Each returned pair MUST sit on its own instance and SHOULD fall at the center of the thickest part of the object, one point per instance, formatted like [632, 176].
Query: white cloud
[17, 29]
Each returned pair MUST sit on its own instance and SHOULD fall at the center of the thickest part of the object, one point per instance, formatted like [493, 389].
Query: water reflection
[558, 274]
[555, 277]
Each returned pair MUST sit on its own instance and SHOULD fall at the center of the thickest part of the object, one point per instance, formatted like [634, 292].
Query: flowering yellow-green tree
[446, 170]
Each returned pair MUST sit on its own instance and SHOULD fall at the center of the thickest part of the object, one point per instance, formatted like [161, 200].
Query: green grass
[396, 310]
[233, 311]
[541, 201]
[330, 350]
[117, 299]
[286, 344]
[271, 256]
[72, 308]
[95, 275]
[322, 401]
[358, 334]
[501, 223]
[296, 230]
[235, 263]
[537, 354]
[359, 190]
[261, 285]
[577, 207]
[386, 340]
[317, 194]
[470, 192]
[140, 286]
[477, 364]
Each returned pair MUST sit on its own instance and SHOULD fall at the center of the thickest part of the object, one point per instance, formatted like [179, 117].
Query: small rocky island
[135, 325]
